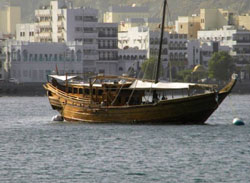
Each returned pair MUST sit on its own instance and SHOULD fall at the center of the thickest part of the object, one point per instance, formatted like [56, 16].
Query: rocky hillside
[177, 7]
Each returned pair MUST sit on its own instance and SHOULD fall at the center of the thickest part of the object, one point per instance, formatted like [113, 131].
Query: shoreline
[36, 89]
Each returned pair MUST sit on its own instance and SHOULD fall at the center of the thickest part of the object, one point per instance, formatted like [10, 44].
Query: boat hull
[187, 110]
[190, 110]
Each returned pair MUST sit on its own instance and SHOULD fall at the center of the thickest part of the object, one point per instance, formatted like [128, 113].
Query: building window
[25, 55]
[35, 59]
[46, 57]
[60, 57]
[78, 55]
[40, 57]
[55, 57]
[78, 29]
[78, 18]
[30, 57]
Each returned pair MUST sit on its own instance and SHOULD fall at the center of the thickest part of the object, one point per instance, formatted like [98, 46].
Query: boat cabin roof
[136, 84]
[143, 85]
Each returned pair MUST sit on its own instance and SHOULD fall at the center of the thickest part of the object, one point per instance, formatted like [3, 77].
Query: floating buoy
[57, 118]
[238, 122]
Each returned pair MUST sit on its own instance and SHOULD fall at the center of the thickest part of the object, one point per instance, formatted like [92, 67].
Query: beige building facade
[244, 21]
[116, 14]
[211, 19]
[189, 26]
[9, 17]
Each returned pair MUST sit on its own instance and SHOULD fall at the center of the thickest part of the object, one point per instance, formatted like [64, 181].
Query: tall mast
[162, 34]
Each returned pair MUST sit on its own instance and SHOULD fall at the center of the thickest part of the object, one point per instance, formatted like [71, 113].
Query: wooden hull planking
[188, 110]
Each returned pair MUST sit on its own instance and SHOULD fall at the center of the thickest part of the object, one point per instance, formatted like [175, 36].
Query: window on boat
[86, 91]
[119, 99]
[100, 92]
[113, 89]
[93, 91]
[75, 90]
[69, 90]
[80, 91]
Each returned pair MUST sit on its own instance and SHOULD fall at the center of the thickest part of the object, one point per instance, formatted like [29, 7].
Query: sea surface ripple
[35, 149]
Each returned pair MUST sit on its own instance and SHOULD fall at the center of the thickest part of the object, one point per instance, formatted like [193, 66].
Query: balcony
[60, 35]
[107, 35]
[43, 13]
[45, 34]
[44, 24]
[60, 24]
[90, 57]
[107, 47]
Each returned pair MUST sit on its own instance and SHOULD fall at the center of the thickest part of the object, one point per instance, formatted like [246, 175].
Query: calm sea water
[35, 149]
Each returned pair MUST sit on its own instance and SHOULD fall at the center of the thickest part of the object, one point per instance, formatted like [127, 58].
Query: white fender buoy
[238, 122]
[57, 118]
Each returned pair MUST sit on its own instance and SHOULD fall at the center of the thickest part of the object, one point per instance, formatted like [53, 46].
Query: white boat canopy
[63, 78]
[142, 85]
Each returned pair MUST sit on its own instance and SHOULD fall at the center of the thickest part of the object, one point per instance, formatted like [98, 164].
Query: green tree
[221, 66]
[149, 68]
[184, 75]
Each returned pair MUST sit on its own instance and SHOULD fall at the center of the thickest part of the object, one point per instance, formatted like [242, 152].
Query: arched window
[68, 53]
[72, 55]
[78, 55]
[180, 56]
[165, 41]
[165, 51]
[13, 54]
[18, 55]
[171, 56]
[25, 55]
[176, 56]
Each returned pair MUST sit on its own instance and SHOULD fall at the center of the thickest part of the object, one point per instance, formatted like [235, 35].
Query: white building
[61, 23]
[32, 62]
[26, 32]
[9, 17]
[193, 53]
[2, 58]
[237, 40]
[174, 50]
[130, 61]
[107, 48]
[209, 48]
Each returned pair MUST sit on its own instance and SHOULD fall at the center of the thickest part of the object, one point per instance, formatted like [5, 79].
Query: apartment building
[152, 23]
[26, 32]
[212, 19]
[188, 25]
[237, 40]
[243, 21]
[107, 62]
[174, 51]
[60, 22]
[116, 14]
[208, 48]
[33, 61]
[2, 57]
[208, 19]
[9, 17]
[130, 61]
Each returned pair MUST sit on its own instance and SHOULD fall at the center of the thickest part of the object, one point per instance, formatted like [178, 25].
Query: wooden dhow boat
[116, 99]
[122, 99]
